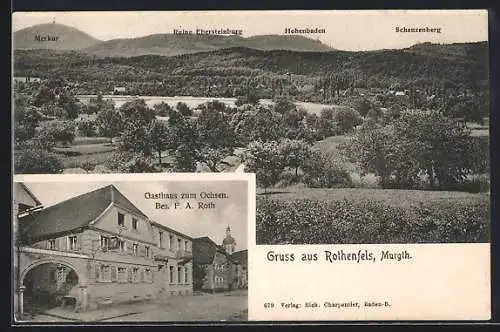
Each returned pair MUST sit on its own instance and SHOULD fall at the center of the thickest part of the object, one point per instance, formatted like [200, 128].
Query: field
[356, 216]
[391, 197]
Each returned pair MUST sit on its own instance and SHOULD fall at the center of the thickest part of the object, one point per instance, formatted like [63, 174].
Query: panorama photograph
[361, 127]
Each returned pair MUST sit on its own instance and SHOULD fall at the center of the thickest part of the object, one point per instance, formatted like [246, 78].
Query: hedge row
[349, 222]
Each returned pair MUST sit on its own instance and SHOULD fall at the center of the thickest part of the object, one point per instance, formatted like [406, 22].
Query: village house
[219, 267]
[240, 261]
[173, 258]
[95, 249]
[213, 268]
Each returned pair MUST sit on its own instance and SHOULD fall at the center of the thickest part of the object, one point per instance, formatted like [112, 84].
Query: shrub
[308, 221]
[322, 171]
[37, 161]
[86, 128]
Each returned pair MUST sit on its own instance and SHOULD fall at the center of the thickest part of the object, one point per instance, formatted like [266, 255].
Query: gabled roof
[204, 250]
[26, 189]
[74, 213]
[241, 257]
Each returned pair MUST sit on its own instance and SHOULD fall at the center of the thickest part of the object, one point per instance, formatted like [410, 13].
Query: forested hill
[56, 36]
[171, 45]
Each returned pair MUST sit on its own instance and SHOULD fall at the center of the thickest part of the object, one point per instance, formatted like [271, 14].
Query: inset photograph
[127, 251]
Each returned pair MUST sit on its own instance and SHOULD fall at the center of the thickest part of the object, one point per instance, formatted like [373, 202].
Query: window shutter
[130, 249]
[79, 242]
[113, 273]
[142, 275]
[142, 251]
[97, 272]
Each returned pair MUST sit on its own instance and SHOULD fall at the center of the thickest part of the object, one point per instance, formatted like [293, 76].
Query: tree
[347, 119]
[323, 171]
[417, 142]
[86, 128]
[184, 109]
[363, 106]
[265, 160]
[162, 109]
[109, 122]
[61, 131]
[136, 113]
[130, 162]
[44, 95]
[158, 133]
[69, 104]
[26, 119]
[258, 123]
[185, 159]
[135, 138]
[283, 105]
[37, 161]
[216, 137]
[327, 124]
[295, 153]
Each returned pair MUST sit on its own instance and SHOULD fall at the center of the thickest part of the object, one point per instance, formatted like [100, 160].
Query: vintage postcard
[131, 248]
[367, 132]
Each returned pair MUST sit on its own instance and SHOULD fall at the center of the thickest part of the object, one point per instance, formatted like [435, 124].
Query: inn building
[94, 250]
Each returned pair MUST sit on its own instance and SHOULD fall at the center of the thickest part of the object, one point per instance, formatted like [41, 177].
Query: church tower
[229, 243]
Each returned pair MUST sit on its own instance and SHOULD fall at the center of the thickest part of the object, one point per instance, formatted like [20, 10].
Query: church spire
[229, 243]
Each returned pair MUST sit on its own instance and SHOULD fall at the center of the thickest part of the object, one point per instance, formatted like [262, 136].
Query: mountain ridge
[166, 44]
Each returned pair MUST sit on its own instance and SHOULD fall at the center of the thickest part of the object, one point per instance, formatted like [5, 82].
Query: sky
[344, 30]
[209, 222]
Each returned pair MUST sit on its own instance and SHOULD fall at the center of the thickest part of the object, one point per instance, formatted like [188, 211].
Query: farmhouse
[95, 249]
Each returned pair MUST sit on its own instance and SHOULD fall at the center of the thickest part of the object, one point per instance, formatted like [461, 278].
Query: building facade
[213, 267]
[97, 249]
[219, 267]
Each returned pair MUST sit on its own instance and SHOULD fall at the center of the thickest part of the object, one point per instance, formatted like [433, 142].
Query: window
[179, 274]
[122, 274]
[170, 241]
[104, 242]
[146, 251]
[148, 276]
[121, 219]
[135, 249]
[160, 239]
[186, 275]
[72, 242]
[105, 273]
[186, 245]
[179, 242]
[171, 276]
[51, 244]
[123, 246]
[135, 274]
[134, 224]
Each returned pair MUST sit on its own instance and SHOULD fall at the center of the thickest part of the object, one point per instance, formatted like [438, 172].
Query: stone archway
[54, 281]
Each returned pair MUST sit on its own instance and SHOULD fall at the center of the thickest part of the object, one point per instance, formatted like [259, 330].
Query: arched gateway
[47, 283]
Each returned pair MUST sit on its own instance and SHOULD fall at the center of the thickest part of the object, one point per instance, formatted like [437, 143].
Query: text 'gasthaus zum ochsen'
[204, 200]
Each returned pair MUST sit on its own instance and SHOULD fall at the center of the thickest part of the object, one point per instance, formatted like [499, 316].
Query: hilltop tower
[229, 243]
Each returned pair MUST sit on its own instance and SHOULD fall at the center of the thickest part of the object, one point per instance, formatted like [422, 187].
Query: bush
[86, 128]
[308, 221]
[322, 171]
[37, 161]
[60, 131]
[130, 162]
